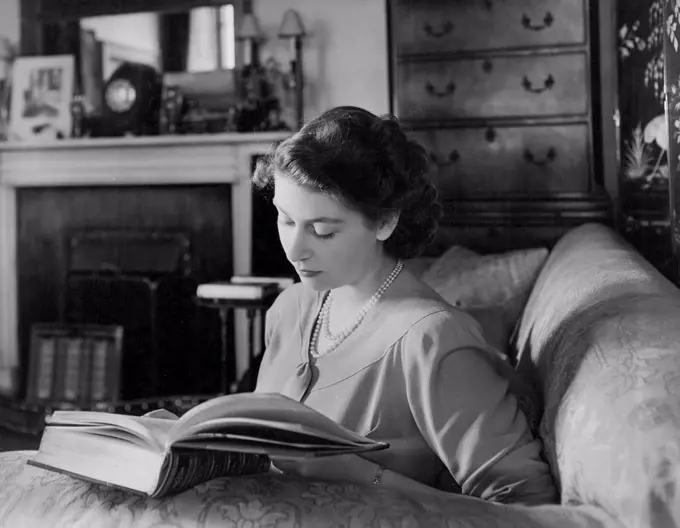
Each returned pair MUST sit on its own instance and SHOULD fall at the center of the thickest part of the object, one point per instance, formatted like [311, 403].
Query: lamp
[250, 33]
[293, 30]
[6, 57]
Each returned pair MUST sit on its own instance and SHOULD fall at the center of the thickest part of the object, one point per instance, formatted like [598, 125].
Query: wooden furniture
[253, 308]
[671, 57]
[505, 96]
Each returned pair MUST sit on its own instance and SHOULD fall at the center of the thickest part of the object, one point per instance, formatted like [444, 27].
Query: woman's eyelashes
[312, 229]
[325, 236]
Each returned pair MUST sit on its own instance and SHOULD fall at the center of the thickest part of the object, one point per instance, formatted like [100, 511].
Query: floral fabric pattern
[31, 497]
[599, 338]
[600, 332]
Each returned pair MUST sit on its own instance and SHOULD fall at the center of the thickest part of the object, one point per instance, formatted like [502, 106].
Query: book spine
[185, 468]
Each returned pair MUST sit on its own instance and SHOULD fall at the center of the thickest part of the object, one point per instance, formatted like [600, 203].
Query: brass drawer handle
[446, 28]
[448, 89]
[550, 156]
[548, 20]
[454, 156]
[548, 83]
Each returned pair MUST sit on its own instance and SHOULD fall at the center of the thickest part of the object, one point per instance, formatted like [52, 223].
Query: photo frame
[77, 364]
[41, 96]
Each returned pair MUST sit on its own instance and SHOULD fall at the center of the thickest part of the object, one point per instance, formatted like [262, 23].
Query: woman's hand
[347, 468]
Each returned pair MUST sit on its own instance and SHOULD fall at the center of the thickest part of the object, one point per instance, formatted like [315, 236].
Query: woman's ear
[387, 225]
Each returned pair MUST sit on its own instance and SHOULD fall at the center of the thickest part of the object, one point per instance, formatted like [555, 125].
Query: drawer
[508, 161]
[441, 26]
[503, 86]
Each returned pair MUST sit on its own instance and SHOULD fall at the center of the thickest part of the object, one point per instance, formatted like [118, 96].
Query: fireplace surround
[146, 164]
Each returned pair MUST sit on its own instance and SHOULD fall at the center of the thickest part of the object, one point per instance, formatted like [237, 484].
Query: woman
[364, 342]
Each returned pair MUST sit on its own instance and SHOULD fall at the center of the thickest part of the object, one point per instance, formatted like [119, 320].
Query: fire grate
[142, 281]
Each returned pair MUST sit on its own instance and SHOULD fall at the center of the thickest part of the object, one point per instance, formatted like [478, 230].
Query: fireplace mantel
[159, 160]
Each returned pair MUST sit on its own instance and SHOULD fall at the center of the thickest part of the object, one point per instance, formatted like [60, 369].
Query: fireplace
[179, 208]
[142, 281]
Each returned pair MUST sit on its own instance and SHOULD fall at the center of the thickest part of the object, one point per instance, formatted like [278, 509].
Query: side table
[225, 307]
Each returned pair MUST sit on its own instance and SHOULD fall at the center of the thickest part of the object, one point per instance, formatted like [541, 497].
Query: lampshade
[250, 28]
[6, 56]
[6, 49]
[291, 25]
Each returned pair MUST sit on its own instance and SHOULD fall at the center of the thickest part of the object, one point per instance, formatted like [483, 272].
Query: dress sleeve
[270, 320]
[465, 411]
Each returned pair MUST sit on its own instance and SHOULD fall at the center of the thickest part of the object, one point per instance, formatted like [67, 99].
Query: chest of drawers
[504, 95]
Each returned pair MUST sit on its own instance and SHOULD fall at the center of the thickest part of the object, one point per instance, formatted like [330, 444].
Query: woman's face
[329, 245]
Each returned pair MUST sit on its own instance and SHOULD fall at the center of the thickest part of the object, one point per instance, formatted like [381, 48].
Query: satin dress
[418, 374]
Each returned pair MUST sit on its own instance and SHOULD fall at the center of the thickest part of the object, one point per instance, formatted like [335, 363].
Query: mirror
[196, 40]
[196, 46]
[207, 84]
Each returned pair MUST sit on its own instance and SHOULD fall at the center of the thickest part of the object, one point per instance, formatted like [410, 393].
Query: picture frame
[41, 97]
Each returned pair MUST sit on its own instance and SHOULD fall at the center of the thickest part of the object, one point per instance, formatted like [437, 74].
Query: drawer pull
[548, 19]
[550, 156]
[548, 83]
[447, 27]
[454, 156]
[487, 66]
[490, 135]
[448, 89]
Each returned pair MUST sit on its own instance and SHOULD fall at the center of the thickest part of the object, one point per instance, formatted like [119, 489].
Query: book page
[154, 431]
[99, 458]
[274, 408]
[265, 430]
[108, 431]
[236, 445]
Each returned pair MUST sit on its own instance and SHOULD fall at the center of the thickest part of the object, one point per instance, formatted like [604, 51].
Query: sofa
[596, 337]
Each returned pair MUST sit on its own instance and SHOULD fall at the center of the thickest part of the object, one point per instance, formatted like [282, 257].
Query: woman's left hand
[348, 468]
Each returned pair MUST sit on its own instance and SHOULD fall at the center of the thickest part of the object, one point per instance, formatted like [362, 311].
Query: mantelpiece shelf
[151, 160]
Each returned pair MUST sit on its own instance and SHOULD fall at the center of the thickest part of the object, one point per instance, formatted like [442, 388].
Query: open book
[228, 435]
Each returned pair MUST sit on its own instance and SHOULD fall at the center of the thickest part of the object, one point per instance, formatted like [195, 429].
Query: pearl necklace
[324, 317]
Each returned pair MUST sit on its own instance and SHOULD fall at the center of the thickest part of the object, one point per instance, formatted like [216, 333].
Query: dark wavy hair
[369, 164]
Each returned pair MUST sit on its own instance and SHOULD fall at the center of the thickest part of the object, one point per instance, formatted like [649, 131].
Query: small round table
[225, 307]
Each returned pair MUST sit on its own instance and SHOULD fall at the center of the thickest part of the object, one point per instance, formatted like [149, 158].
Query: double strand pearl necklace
[324, 317]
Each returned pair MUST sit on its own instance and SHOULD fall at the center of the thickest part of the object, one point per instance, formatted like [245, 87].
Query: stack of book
[243, 288]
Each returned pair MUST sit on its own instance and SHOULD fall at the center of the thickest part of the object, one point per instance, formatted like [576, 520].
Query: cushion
[493, 288]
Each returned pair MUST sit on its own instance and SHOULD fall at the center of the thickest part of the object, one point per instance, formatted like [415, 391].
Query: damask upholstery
[34, 498]
[601, 336]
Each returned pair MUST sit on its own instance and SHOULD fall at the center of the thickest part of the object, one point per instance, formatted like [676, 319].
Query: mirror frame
[51, 27]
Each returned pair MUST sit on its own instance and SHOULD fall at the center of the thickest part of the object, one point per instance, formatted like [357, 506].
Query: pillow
[482, 283]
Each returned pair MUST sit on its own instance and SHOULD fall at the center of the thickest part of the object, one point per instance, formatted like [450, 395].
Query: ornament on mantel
[8, 53]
